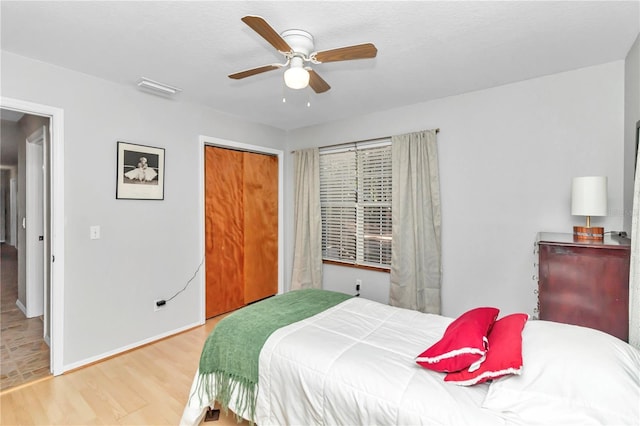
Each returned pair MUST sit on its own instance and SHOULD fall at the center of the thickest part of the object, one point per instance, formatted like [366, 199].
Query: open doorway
[25, 277]
[53, 213]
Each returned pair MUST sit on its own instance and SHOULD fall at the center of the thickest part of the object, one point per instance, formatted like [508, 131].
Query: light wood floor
[146, 386]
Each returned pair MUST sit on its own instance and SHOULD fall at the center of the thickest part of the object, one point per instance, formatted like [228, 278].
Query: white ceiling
[426, 49]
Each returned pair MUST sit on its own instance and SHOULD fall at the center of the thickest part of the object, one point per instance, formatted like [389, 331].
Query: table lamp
[589, 198]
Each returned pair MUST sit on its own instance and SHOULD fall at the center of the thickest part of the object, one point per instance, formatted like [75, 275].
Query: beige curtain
[307, 248]
[416, 271]
[634, 273]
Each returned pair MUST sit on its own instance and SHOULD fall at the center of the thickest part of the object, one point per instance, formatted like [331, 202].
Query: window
[355, 202]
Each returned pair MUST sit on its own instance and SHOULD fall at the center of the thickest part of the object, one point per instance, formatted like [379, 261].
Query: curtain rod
[361, 141]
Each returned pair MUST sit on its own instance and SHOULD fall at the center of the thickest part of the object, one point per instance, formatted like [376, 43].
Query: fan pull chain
[284, 97]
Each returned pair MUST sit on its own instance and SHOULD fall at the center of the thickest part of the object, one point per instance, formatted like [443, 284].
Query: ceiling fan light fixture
[298, 48]
[296, 78]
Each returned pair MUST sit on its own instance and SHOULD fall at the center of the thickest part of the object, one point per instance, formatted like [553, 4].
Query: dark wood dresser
[585, 283]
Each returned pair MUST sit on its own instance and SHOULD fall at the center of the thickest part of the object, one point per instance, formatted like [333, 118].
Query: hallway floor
[24, 356]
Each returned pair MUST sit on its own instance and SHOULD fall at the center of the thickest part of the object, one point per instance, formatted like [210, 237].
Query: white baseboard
[109, 354]
[21, 307]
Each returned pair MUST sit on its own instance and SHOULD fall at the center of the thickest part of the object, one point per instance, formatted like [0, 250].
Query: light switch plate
[94, 232]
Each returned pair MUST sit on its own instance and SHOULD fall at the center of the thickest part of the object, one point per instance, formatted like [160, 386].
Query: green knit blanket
[229, 359]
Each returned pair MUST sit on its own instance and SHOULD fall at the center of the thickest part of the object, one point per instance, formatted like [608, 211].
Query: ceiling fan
[298, 49]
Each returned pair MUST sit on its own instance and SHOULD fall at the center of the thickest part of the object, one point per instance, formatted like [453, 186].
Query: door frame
[56, 186]
[13, 211]
[239, 146]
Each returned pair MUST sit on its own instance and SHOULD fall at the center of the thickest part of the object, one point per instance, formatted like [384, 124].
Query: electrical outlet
[156, 307]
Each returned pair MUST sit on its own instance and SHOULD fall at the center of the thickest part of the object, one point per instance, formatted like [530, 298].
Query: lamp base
[583, 233]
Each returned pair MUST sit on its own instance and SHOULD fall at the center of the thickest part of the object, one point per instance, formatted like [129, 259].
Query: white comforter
[354, 364]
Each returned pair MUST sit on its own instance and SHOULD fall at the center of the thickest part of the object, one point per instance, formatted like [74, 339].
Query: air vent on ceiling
[157, 87]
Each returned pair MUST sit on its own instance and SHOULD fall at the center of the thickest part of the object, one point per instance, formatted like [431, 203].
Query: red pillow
[463, 343]
[504, 355]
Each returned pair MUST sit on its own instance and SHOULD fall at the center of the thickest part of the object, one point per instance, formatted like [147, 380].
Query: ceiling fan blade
[259, 25]
[254, 71]
[358, 51]
[317, 83]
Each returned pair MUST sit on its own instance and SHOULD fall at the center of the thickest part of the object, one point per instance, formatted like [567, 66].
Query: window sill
[351, 265]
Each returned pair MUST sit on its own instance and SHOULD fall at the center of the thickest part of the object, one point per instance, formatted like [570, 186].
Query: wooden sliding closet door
[224, 235]
[241, 228]
[260, 226]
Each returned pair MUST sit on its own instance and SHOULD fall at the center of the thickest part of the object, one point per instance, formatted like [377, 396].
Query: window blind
[355, 202]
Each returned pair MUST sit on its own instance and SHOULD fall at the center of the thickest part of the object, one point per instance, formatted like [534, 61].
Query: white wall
[631, 117]
[148, 249]
[507, 156]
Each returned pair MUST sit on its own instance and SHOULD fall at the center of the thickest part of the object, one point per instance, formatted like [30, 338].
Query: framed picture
[140, 172]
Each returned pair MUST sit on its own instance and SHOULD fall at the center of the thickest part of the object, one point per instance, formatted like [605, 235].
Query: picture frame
[139, 172]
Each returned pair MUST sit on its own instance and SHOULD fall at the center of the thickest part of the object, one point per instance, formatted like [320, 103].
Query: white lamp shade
[589, 196]
[296, 78]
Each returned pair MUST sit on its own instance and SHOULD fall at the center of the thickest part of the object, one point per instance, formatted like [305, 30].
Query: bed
[352, 361]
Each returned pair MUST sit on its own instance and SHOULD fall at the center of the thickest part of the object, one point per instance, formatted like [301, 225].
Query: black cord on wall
[163, 302]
